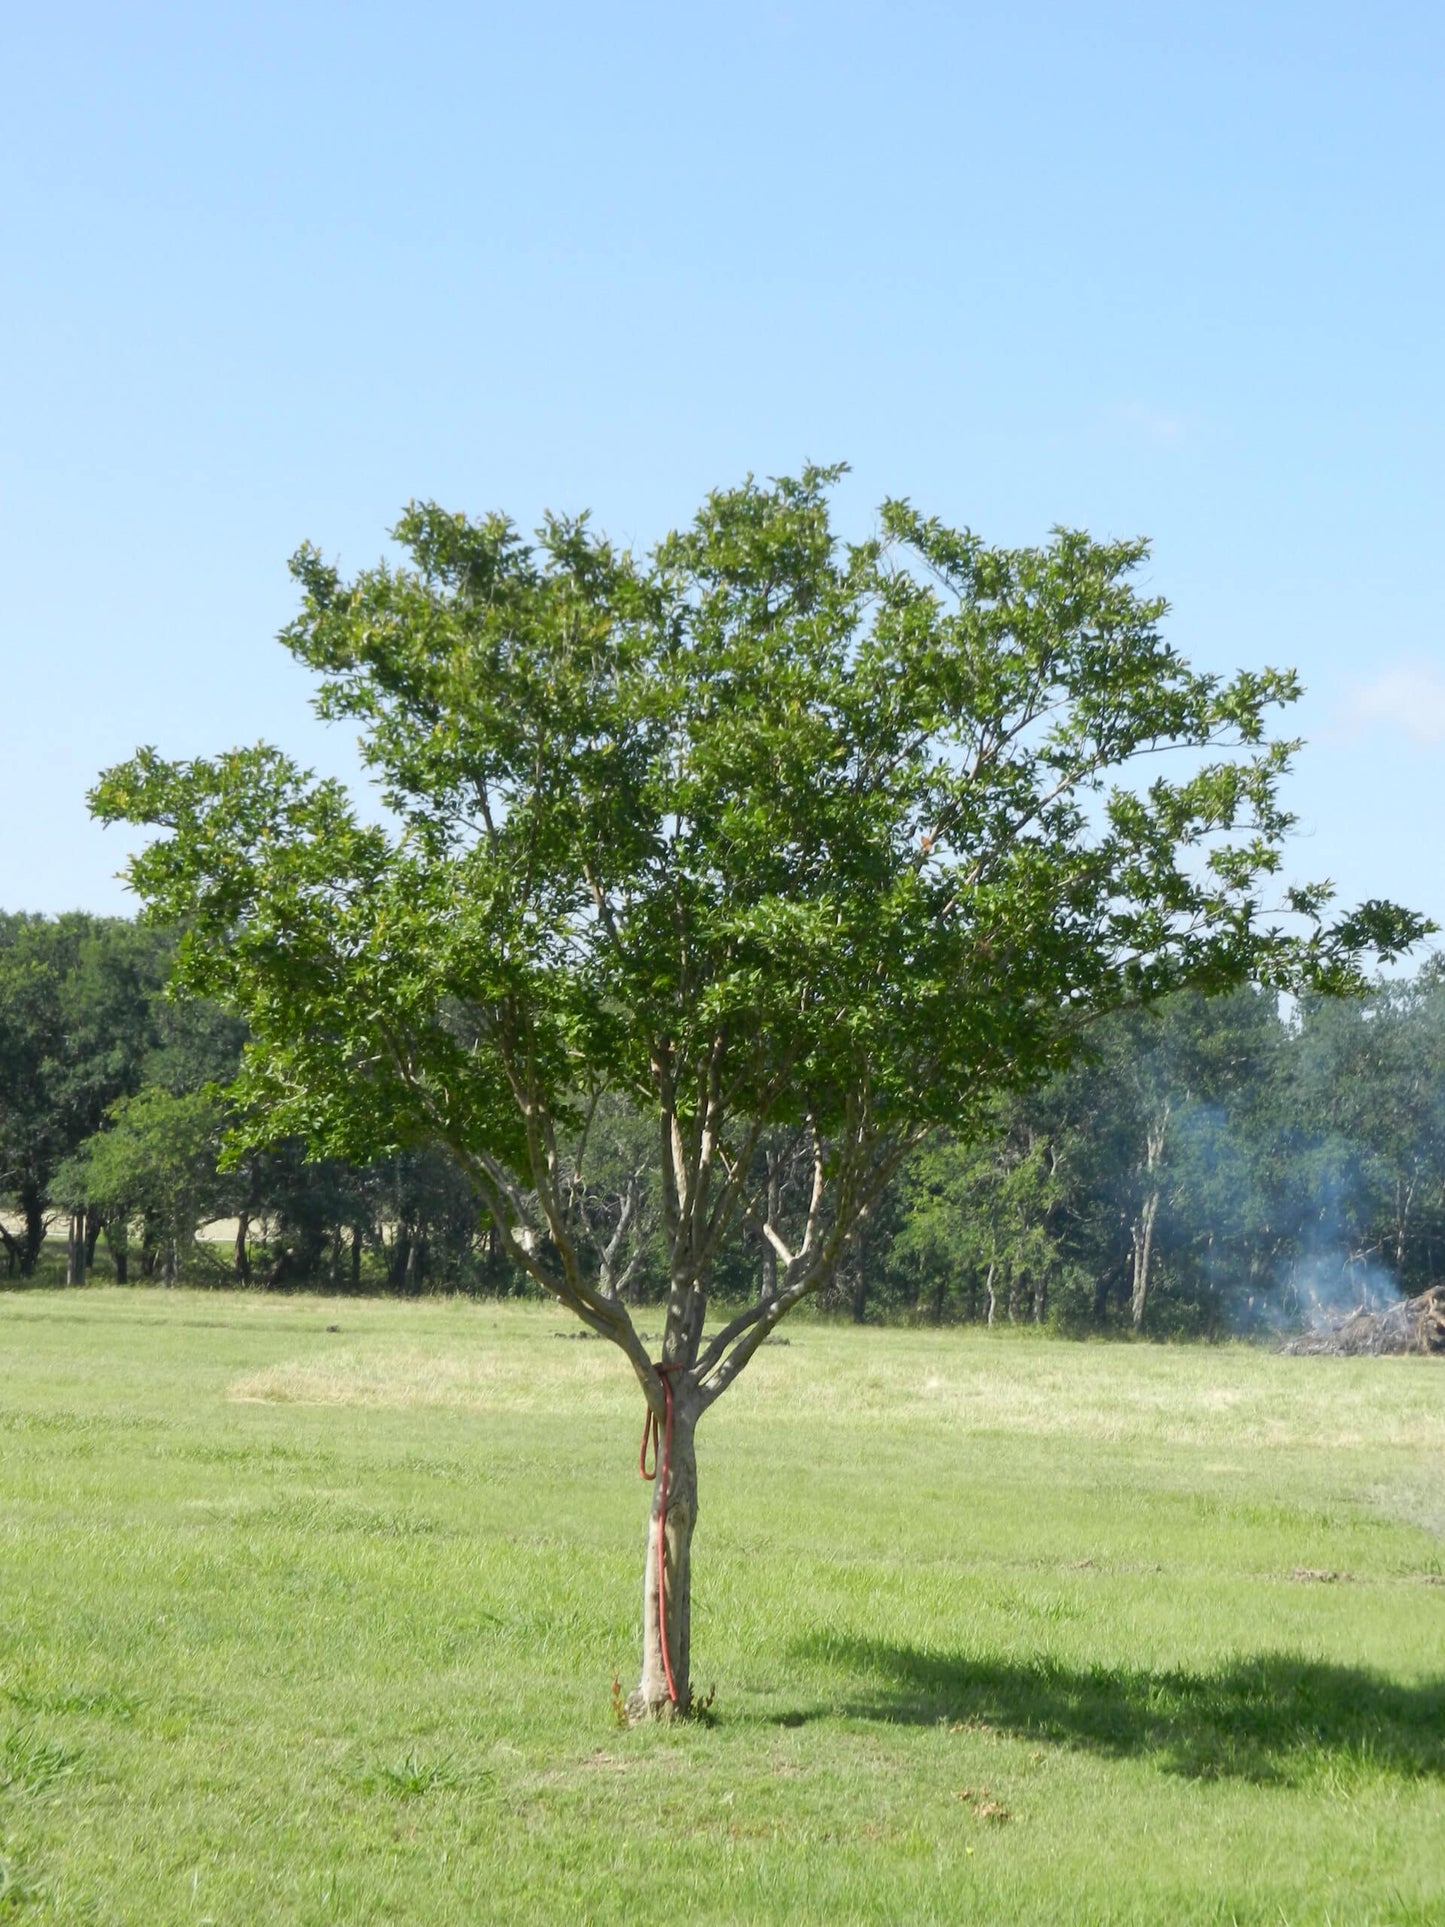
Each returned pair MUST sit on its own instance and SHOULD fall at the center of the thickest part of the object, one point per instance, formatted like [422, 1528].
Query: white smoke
[1323, 1288]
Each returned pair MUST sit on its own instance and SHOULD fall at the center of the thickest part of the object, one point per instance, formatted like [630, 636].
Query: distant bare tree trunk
[356, 1257]
[1143, 1250]
[990, 1296]
[93, 1223]
[1041, 1297]
[1143, 1231]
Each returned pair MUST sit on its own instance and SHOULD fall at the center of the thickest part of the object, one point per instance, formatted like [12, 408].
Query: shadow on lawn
[1271, 1718]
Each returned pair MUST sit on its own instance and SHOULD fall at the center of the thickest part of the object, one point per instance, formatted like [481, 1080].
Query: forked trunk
[677, 1505]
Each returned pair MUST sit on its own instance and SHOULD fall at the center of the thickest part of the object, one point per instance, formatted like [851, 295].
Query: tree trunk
[1041, 1297]
[1101, 1295]
[400, 1264]
[770, 1257]
[75, 1250]
[117, 1243]
[679, 1504]
[1143, 1250]
[860, 1278]
[93, 1223]
[34, 1213]
[240, 1257]
[1143, 1234]
[990, 1296]
[356, 1257]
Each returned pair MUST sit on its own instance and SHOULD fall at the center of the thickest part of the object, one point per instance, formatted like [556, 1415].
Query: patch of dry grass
[968, 1382]
[465, 1378]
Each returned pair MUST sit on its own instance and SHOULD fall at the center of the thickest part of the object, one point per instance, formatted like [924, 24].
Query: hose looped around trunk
[650, 1442]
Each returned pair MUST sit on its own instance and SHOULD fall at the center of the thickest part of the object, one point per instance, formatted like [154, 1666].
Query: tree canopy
[762, 830]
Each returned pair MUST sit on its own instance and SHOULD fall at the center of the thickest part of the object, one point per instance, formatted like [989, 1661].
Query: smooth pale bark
[1143, 1252]
[774, 1163]
[678, 1505]
[1143, 1232]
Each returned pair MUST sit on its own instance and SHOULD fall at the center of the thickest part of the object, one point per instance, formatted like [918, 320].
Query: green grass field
[301, 1625]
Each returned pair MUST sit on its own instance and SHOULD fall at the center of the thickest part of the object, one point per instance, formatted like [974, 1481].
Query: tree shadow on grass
[1271, 1718]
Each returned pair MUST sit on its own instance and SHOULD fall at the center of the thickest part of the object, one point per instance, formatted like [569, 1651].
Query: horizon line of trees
[1213, 1166]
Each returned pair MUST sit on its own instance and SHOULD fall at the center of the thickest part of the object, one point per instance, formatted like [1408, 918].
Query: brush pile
[1412, 1325]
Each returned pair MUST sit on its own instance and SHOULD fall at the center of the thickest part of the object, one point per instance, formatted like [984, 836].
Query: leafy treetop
[762, 829]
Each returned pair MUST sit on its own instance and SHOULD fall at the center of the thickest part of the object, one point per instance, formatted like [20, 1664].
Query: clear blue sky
[269, 271]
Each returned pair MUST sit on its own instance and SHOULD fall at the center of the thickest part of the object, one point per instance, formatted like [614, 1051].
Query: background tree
[78, 1017]
[1367, 1093]
[762, 830]
[157, 1161]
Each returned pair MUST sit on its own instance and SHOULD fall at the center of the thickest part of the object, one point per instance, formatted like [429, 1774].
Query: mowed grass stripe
[1003, 1628]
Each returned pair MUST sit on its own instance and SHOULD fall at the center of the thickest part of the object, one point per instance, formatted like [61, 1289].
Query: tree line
[1213, 1165]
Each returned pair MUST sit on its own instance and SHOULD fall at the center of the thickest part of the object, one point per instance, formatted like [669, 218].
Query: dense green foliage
[1006, 1630]
[1294, 1159]
[112, 1110]
[760, 835]
[1212, 1167]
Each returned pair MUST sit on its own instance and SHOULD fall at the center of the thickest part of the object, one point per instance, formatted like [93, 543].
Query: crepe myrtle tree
[762, 831]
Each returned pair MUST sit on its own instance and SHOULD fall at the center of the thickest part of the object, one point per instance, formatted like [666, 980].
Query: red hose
[649, 1437]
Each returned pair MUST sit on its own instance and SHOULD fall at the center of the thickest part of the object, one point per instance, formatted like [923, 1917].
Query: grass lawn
[311, 1625]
